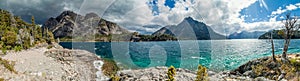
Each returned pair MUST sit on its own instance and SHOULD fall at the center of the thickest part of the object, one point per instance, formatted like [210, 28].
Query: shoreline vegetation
[261, 69]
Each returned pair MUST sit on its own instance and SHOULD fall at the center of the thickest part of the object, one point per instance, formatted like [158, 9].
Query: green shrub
[1, 44]
[109, 67]
[9, 38]
[295, 63]
[115, 78]
[49, 46]
[18, 48]
[202, 74]
[50, 38]
[171, 73]
[4, 50]
[26, 44]
[258, 69]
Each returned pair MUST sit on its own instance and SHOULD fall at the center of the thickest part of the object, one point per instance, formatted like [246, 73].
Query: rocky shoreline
[160, 74]
[246, 72]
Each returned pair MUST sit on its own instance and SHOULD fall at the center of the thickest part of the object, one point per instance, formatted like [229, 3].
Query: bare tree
[290, 27]
[272, 43]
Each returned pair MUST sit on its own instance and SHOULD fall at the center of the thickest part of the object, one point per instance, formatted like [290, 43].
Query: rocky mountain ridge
[90, 26]
[190, 29]
[69, 24]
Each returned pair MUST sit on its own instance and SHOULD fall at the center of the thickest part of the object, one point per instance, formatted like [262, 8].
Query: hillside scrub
[16, 34]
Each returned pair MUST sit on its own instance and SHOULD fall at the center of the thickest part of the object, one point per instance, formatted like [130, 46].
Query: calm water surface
[217, 55]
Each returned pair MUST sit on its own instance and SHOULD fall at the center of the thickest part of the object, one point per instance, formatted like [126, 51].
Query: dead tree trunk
[273, 51]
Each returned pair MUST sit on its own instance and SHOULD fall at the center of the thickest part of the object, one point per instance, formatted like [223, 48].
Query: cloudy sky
[224, 16]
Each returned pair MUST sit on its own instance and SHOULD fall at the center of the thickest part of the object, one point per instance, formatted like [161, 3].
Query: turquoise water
[217, 55]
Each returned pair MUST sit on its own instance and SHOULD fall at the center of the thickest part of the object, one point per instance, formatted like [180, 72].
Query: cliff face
[69, 24]
[190, 29]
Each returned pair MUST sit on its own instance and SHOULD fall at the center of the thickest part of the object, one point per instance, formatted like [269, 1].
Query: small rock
[210, 73]
[249, 73]
[261, 79]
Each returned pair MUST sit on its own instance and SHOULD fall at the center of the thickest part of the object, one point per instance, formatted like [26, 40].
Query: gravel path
[34, 63]
[56, 64]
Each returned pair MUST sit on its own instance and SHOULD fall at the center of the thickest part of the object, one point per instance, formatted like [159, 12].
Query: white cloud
[278, 11]
[287, 8]
[291, 7]
[221, 15]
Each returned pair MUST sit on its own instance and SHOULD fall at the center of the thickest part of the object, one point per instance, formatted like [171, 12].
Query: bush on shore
[109, 67]
[202, 74]
[171, 73]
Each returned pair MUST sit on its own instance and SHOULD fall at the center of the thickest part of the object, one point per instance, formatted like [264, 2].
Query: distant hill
[190, 29]
[246, 35]
[276, 36]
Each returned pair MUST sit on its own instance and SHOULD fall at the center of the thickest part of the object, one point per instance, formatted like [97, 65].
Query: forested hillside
[16, 34]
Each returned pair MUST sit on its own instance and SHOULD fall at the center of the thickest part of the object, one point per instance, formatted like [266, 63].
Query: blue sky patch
[257, 12]
[154, 7]
[170, 3]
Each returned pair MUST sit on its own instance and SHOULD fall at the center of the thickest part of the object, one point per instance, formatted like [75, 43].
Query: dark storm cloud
[41, 9]
[119, 8]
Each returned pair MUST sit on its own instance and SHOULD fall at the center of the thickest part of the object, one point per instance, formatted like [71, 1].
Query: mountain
[190, 29]
[69, 24]
[246, 35]
[275, 35]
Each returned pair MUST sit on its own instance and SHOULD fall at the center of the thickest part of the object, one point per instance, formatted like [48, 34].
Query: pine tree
[32, 21]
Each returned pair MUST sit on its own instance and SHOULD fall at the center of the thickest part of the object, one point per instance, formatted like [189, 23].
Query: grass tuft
[8, 65]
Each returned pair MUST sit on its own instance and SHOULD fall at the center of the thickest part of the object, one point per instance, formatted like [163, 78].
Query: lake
[217, 55]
